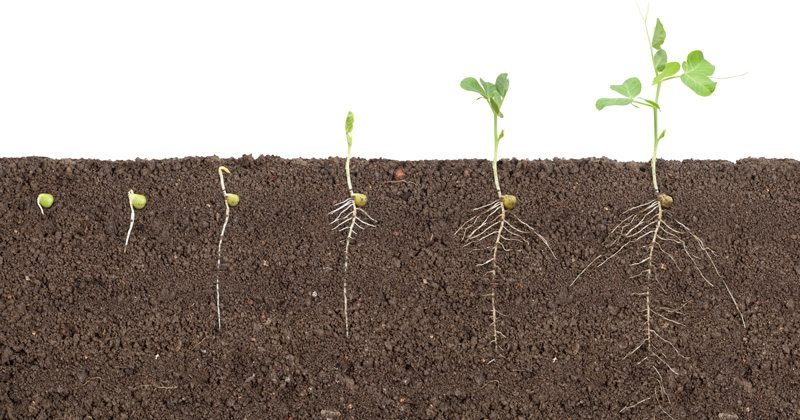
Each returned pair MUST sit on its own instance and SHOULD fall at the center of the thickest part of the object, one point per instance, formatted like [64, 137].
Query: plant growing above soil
[494, 222]
[649, 228]
[231, 200]
[348, 216]
[44, 200]
[137, 202]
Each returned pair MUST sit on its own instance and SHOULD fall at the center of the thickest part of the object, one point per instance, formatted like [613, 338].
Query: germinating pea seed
[666, 201]
[509, 202]
[360, 199]
[45, 200]
[139, 201]
[233, 200]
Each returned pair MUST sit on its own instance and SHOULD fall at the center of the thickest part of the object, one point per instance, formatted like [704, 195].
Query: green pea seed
[233, 200]
[360, 199]
[45, 200]
[139, 201]
[509, 202]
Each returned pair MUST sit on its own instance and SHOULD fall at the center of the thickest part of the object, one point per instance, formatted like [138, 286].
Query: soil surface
[90, 332]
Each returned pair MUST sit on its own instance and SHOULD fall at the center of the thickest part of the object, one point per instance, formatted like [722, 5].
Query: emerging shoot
[44, 200]
[349, 215]
[231, 200]
[494, 222]
[647, 227]
[137, 202]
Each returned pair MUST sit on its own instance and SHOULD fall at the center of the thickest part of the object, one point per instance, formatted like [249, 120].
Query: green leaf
[669, 70]
[630, 88]
[695, 74]
[502, 84]
[502, 133]
[660, 60]
[659, 35]
[348, 124]
[604, 102]
[488, 88]
[472, 85]
[662, 135]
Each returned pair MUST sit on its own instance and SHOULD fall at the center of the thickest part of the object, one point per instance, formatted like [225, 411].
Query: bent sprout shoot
[349, 215]
[231, 200]
[494, 222]
[137, 202]
[44, 200]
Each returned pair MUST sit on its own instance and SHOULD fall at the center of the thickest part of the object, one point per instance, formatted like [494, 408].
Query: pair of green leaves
[696, 72]
[495, 93]
[348, 128]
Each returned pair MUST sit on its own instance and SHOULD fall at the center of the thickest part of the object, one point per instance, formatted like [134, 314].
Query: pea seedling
[137, 202]
[493, 222]
[231, 200]
[348, 216]
[648, 222]
[44, 200]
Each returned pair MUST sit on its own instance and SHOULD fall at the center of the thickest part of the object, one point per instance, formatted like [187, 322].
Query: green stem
[494, 162]
[347, 168]
[655, 140]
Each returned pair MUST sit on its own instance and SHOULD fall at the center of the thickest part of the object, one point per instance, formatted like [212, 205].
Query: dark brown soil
[90, 332]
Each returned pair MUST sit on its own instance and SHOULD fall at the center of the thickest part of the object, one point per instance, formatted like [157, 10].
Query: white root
[348, 217]
[221, 235]
[493, 221]
[133, 216]
[648, 220]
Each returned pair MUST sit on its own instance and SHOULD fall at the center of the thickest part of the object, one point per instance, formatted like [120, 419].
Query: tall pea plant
[647, 229]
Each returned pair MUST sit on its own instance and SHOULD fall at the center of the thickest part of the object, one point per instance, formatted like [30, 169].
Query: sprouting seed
[360, 199]
[666, 200]
[44, 200]
[233, 200]
[137, 202]
[509, 201]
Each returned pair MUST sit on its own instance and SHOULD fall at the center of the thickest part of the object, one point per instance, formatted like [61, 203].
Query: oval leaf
[348, 124]
[604, 102]
[472, 85]
[659, 35]
[695, 74]
[502, 84]
[669, 70]
[630, 88]
[660, 60]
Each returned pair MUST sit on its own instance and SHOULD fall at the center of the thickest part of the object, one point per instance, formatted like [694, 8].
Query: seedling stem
[221, 234]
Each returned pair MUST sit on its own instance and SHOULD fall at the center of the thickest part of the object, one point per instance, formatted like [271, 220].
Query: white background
[157, 79]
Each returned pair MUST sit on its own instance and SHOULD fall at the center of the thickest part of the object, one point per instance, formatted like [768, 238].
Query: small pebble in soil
[399, 174]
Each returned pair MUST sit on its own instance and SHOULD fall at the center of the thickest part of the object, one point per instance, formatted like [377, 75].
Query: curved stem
[494, 162]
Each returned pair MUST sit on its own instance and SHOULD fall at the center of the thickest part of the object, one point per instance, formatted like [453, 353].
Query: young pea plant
[349, 215]
[44, 201]
[647, 225]
[137, 202]
[494, 222]
[231, 200]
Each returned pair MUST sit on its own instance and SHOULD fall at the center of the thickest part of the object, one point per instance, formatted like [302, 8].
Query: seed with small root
[360, 199]
[509, 202]
[233, 199]
[45, 200]
[666, 201]
[138, 201]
